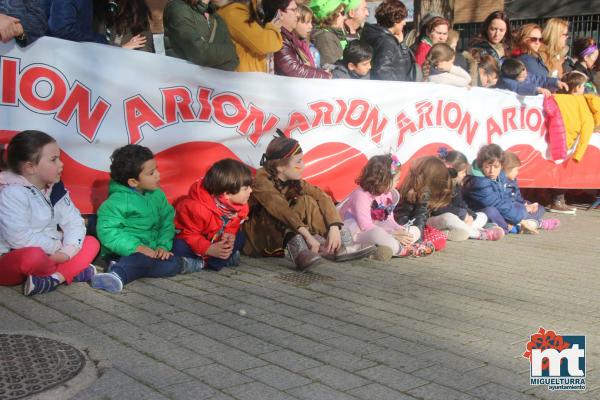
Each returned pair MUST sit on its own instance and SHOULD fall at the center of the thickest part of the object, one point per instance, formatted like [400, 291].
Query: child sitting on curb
[287, 211]
[510, 166]
[368, 211]
[209, 218]
[135, 224]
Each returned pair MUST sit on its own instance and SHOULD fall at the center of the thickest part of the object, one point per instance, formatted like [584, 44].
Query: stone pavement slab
[450, 326]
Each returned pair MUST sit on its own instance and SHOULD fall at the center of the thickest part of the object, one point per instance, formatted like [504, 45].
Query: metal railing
[579, 26]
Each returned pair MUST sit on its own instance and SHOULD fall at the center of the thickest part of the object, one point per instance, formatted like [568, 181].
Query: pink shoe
[495, 233]
[549, 224]
[417, 250]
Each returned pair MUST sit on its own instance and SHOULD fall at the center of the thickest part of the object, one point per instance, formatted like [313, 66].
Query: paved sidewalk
[449, 326]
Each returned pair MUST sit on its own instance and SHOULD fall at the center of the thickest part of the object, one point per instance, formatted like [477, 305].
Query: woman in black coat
[392, 59]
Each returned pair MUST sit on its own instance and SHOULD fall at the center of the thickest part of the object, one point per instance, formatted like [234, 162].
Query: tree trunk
[442, 7]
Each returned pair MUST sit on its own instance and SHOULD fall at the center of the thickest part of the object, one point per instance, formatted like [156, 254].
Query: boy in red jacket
[208, 219]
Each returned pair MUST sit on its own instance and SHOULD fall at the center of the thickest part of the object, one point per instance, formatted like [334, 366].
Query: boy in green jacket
[135, 224]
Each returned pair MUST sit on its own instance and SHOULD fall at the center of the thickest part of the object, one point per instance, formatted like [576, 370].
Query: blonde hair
[453, 36]
[510, 161]
[304, 13]
[439, 52]
[553, 54]
[523, 35]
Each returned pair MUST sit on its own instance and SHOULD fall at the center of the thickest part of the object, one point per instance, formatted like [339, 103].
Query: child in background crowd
[457, 217]
[303, 29]
[513, 77]
[439, 67]
[576, 82]
[488, 72]
[485, 191]
[368, 212]
[428, 186]
[460, 57]
[209, 218]
[33, 205]
[287, 211]
[135, 223]
[510, 166]
[356, 62]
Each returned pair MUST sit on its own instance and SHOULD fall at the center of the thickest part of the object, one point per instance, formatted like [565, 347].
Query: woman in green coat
[194, 32]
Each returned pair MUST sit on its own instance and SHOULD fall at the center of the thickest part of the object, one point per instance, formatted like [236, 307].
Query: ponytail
[426, 68]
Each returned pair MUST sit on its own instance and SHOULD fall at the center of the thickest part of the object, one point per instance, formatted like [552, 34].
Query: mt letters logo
[557, 361]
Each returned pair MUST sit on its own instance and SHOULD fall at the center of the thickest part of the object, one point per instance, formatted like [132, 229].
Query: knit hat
[323, 8]
[351, 4]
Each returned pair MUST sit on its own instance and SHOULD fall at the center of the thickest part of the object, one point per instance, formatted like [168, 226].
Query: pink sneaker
[417, 250]
[495, 233]
[549, 224]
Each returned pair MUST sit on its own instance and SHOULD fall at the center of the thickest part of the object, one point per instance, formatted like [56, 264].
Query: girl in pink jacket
[368, 212]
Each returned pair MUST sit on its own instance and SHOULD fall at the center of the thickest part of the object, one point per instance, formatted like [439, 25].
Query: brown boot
[300, 253]
[560, 207]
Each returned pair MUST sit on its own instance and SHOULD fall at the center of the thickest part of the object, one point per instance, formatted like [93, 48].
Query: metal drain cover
[32, 364]
[303, 278]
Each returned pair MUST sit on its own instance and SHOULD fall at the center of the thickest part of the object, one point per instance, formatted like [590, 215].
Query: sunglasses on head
[536, 39]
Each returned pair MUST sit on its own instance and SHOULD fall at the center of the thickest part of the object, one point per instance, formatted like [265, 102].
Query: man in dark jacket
[392, 59]
[22, 20]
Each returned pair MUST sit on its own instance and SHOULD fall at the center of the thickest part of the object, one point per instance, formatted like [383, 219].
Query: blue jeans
[181, 249]
[135, 266]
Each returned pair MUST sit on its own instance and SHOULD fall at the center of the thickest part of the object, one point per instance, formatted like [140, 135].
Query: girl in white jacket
[33, 204]
[439, 67]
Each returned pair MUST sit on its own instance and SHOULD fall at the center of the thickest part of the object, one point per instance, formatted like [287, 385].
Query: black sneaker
[235, 259]
[190, 264]
[39, 284]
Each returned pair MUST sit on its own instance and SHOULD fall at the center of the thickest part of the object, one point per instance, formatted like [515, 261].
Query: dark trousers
[138, 265]
[181, 249]
[494, 216]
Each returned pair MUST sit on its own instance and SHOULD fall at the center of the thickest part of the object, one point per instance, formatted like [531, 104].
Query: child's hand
[403, 237]
[163, 254]
[531, 208]
[59, 257]
[545, 92]
[229, 238]
[468, 219]
[145, 250]
[221, 249]
[563, 85]
[334, 239]
[312, 243]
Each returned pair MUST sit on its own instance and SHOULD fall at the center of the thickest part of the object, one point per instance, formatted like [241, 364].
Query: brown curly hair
[390, 12]
[428, 178]
[376, 176]
[490, 153]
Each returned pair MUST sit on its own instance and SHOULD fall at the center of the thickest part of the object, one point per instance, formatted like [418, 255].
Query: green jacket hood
[475, 170]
